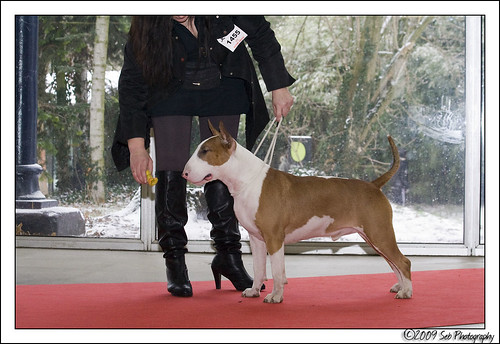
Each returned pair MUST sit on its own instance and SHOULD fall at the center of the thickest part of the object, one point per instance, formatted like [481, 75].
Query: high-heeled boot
[226, 237]
[171, 217]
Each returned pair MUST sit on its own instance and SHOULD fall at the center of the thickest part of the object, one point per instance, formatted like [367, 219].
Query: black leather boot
[171, 217]
[226, 237]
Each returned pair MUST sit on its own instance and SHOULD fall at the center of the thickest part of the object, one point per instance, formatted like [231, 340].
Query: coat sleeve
[133, 96]
[266, 50]
[133, 120]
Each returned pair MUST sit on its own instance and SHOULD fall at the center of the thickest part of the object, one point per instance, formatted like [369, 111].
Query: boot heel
[217, 278]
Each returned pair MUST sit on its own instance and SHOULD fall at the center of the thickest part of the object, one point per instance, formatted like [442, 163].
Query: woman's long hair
[152, 44]
[151, 38]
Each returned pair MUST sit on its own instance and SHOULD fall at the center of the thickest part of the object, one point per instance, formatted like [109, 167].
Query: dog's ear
[226, 138]
[212, 129]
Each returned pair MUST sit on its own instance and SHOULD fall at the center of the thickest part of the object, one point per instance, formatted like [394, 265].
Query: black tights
[172, 136]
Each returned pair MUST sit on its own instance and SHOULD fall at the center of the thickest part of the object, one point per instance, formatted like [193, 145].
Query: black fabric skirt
[229, 98]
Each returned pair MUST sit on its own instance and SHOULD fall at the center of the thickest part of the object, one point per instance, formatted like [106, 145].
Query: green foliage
[65, 60]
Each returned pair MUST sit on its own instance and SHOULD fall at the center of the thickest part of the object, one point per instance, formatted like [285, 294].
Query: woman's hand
[282, 103]
[140, 161]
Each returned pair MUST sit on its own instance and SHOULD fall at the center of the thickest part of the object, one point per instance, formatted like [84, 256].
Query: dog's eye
[204, 151]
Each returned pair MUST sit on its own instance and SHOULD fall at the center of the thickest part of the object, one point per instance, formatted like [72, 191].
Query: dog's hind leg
[388, 249]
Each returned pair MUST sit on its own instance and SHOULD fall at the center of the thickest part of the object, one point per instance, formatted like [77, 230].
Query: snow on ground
[113, 220]
[417, 224]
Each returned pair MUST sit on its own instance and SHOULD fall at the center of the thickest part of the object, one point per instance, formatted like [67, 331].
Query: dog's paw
[273, 298]
[395, 288]
[250, 292]
[404, 294]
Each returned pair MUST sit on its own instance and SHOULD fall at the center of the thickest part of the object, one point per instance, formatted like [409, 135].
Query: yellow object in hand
[151, 181]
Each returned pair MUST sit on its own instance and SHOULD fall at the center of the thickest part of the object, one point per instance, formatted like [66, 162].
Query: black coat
[136, 98]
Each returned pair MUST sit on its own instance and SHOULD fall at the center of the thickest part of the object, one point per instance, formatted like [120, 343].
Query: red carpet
[440, 298]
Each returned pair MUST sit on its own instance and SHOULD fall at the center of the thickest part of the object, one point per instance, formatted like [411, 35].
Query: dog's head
[206, 162]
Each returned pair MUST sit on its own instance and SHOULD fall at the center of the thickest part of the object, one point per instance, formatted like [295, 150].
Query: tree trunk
[364, 94]
[385, 93]
[96, 184]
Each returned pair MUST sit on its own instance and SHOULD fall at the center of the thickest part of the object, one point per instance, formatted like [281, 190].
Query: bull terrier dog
[278, 208]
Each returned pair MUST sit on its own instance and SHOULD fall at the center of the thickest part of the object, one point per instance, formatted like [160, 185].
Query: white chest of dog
[277, 208]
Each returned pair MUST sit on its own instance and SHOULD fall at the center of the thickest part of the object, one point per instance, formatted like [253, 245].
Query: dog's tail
[380, 181]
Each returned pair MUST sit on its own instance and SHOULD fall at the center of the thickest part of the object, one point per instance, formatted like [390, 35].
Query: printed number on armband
[233, 39]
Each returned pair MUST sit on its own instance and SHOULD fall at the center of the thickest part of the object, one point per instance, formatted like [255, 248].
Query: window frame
[471, 224]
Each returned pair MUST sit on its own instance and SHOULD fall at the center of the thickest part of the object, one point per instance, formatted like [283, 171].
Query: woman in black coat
[177, 67]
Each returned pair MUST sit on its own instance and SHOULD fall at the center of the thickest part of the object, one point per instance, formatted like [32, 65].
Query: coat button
[224, 32]
[231, 73]
[217, 17]
[182, 59]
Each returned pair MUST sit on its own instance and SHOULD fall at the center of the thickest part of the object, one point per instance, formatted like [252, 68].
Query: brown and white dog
[277, 208]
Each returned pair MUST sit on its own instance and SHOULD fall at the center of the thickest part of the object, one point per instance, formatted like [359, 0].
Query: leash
[270, 152]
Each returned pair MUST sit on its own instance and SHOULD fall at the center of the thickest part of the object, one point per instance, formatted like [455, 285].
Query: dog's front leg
[259, 254]
[279, 276]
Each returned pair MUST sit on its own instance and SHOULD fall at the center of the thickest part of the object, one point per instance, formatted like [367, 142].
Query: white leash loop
[270, 152]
